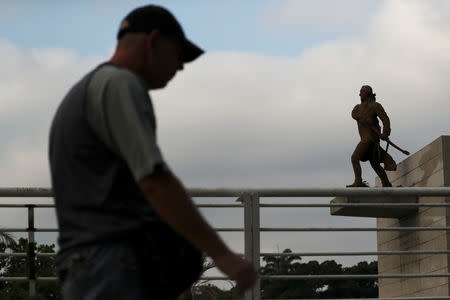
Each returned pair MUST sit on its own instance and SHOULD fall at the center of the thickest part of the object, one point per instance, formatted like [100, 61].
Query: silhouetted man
[128, 228]
[366, 114]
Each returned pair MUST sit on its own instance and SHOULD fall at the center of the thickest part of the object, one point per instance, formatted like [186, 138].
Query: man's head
[366, 93]
[152, 43]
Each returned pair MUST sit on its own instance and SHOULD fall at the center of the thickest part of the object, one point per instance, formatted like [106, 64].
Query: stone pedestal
[429, 167]
[373, 211]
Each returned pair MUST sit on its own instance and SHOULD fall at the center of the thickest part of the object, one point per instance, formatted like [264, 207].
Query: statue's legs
[360, 154]
[380, 172]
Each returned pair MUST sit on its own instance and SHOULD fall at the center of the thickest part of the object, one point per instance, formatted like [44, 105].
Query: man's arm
[171, 202]
[384, 119]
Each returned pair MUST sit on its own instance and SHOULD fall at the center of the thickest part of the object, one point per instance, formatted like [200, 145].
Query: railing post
[256, 245]
[31, 255]
[252, 233]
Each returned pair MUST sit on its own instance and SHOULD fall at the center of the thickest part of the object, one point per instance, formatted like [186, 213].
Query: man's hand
[384, 136]
[238, 269]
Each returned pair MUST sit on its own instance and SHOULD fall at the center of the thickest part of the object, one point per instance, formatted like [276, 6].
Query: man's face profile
[164, 59]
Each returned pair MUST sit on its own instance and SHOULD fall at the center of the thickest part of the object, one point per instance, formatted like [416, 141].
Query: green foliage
[18, 267]
[316, 288]
[307, 288]
[272, 288]
[361, 288]
[7, 238]
[209, 292]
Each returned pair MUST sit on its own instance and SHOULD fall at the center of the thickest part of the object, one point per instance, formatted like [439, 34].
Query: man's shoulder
[111, 72]
[109, 76]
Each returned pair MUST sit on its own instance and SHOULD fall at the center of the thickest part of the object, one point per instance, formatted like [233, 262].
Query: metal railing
[250, 201]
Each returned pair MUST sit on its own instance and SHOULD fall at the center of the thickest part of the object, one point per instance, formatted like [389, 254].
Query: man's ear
[150, 41]
[153, 37]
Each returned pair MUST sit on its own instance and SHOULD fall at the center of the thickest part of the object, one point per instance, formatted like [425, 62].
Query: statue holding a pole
[366, 115]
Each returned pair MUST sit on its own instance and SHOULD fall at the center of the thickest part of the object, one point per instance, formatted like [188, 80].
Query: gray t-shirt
[120, 112]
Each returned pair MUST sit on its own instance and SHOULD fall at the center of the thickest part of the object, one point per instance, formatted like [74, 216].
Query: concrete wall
[429, 167]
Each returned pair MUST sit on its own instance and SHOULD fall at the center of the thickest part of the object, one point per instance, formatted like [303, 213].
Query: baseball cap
[150, 17]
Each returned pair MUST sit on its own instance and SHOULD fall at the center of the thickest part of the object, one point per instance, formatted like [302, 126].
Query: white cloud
[309, 17]
[32, 82]
[240, 119]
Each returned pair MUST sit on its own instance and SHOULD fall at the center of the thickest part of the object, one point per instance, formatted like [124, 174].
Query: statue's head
[366, 93]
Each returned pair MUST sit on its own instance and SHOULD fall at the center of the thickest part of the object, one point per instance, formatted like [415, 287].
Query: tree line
[13, 266]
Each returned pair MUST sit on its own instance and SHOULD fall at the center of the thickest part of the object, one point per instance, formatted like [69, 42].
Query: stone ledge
[373, 212]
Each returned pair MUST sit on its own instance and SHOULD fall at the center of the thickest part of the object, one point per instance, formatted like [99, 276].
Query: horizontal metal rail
[269, 192]
[290, 229]
[220, 205]
[283, 277]
[26, 278]
[324, 192]
[26, 192]
[27, 230]
[27, 205]
[332, 276]
[286, 229]
[275, 205]
[14, 278]
[361, 253]
[400, 298]
[280, 205]
[357, 276]
[231, 229]
[20, 254]
[387, 205]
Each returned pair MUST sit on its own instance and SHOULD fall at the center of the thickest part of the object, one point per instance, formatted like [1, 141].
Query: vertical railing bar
[256, 244]
[248, 236]
[31, 254]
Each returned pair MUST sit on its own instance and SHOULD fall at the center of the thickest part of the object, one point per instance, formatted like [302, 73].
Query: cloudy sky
[268, 105]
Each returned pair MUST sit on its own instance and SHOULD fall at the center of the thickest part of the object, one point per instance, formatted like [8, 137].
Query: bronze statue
[366, 114]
